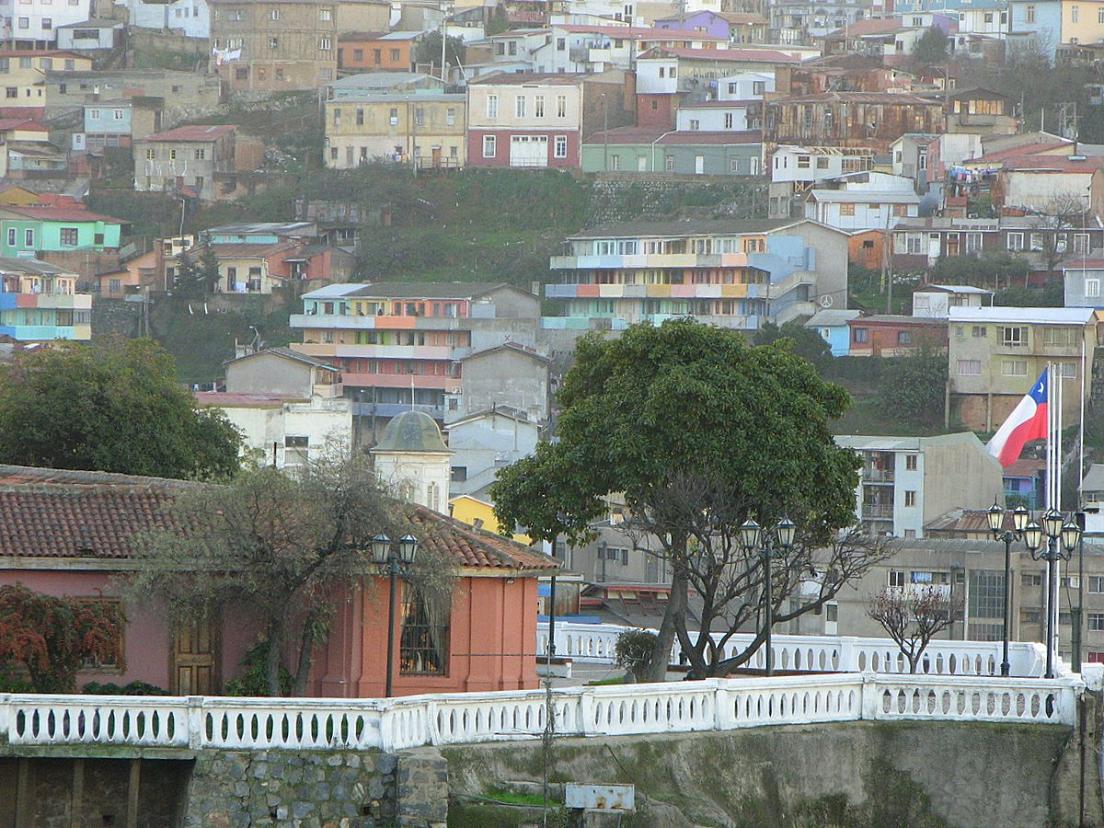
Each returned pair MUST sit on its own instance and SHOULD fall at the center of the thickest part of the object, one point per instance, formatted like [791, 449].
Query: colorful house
[644, 150]
[39, 303]
[25, 231]
[472, 511]
[484, 642]
[832, 325]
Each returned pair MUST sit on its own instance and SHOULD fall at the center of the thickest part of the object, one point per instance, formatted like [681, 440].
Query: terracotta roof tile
[474, 547]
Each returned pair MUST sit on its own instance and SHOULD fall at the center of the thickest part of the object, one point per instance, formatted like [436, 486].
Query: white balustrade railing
[614, 710]
[596, 643]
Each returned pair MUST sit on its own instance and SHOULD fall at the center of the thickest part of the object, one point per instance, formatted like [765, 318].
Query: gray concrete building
[505, 376]
[484, 442]
[905, 482]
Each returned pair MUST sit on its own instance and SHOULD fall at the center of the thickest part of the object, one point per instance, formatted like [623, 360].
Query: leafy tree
[1051, 295]
[913, 388]
[279, 547]
[931, 48]
[187, 283]
[913, 618]
[429, 50]
[50, 637]
[807, 343]
[208, 268]
[634, 651]
[698, 430]
[496, 25]
[995, 271]
[110, 406]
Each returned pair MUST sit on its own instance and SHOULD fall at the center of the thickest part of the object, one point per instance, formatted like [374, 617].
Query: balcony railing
[877, 511]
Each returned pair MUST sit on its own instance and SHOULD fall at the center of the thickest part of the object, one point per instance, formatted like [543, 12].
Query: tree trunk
[272, 657]
[661, 654]
[306, 656]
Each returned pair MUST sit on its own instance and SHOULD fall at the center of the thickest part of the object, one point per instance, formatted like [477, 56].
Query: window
[910, 462]
[274, 14]
[423, 648]
[904, 337]
[561, 44]
[11, 92]
[1014, 367]
[559, 149]
[734, 165]
[519, 106]
[117, 114]
[450, 116]
[896, 578]
[978, 331]
[394, 55]
[847, 209]
[615, 162]
[669, 163]
[695, 124]
[394, 116]
[1013, 337]
[24, 23]
[831, 613]
[538, 106]
[561, 106]
[822, 162]
[1075, 14]
[1092, 287]
[47, 23]
[1080, 242]
[1096, 583]
[69, 236]
[172, 155]
[11, 236]
[1032, 579]
[151, 154]
[325, 15]
[910, 498]
[200, 154]
[325, 43]
[492, 107]
[488, 146]
[1029, 14]
[94, 114]
[1096, 621]
[758, 87]
[973, 242]
[969, 367]
[728, 120]
[419, 116]
[804, 162]
[28, 238]
[1061, 337]
[862, 335]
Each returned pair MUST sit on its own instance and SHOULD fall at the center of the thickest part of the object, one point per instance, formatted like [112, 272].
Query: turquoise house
[25, 231]
[833, 329]
[650, 150]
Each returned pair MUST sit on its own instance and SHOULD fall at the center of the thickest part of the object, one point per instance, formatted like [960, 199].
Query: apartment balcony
[653, 261]
[57, 301]
[916, 590]
[870, 475]
[442, 353]
[450, 385]
[877, 511]
[790, 283]
[690, 291]
[371, 409]
[614, 323]
[334, 321]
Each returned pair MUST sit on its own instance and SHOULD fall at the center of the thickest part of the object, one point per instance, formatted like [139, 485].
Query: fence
[595, 643]
[447, 719]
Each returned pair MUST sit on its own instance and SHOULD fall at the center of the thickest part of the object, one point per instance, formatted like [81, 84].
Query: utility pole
[605, 133]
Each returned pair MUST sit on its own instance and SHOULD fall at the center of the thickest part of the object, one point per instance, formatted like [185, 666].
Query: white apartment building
[906, 482]
[34, 23]
[716, 116]
[745, 86]
[188, 17]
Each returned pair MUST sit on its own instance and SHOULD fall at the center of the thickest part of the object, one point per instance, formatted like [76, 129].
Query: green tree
[931, 48]
[699, 431]
[496, 25]
[913, 388]
[50, 637]
[429, 51]
[187, 282]
[807, 343]
[110, 406]
[207, 270]
[279, 547]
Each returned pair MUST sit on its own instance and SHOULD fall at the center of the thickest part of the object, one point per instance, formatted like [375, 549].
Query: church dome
[412, 431]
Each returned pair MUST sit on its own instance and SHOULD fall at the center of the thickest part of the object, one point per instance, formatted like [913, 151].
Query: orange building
[865, 248]
[367, 51]
[72, 532]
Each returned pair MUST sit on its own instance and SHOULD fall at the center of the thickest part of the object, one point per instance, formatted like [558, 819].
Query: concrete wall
[505, 378]
[269, 374]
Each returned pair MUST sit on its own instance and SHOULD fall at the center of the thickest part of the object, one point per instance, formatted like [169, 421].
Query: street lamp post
[996, 527]
[1056, 529]
[394, 561]
[768, 545]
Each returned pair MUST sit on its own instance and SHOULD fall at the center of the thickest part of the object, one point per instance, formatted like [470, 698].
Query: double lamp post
[1061, 538]
[769, 544]
[394, 561]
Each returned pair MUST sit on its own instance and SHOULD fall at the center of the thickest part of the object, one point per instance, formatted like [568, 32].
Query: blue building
[1041, 18]
[1024, 482]
[108, 124]
[832, 326]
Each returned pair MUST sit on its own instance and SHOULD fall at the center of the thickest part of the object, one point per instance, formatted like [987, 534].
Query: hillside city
[382, 378]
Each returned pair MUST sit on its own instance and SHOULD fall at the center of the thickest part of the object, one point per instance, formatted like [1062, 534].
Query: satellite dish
[826, 300]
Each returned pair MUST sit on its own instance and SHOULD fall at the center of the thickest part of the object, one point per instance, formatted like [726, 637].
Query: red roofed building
[202, 161]
[73, 533]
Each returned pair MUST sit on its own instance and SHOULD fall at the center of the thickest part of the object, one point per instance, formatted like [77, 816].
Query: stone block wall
[312, 789]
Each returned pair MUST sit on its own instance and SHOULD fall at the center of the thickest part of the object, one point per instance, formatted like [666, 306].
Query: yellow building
[1082, 21]
[468, 509]
[428, 126]
[23, 76]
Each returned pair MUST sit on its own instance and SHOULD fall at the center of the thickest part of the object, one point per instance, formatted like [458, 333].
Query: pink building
[71, 533]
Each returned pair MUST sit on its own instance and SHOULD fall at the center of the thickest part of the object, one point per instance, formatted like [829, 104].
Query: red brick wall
[502, 147]
[655, 111]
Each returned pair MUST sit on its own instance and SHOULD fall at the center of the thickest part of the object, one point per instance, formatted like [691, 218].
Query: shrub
[134, 688]
[634, 652]
[252, 680]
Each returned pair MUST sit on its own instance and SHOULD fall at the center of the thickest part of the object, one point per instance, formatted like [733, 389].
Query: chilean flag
[1027, 422]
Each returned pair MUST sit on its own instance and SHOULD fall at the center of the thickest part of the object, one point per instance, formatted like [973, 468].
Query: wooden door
[196, 657]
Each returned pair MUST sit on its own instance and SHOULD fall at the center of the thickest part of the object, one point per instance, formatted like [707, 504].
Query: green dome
[412, 431]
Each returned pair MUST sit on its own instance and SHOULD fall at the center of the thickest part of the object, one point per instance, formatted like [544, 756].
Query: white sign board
[600, 797]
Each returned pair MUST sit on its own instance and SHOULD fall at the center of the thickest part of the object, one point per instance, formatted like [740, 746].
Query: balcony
[683, 291]
[655, 261]
[872, 475]
[916, 590]
[335, 321]
[877, 511]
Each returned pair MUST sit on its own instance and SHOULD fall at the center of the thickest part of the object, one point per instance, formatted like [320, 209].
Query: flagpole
[1056, 590]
